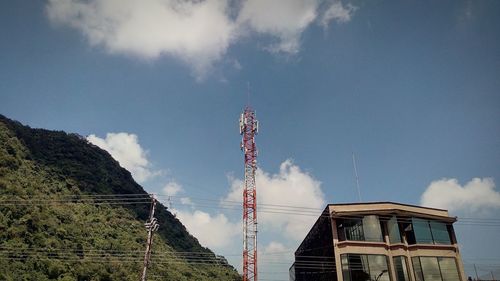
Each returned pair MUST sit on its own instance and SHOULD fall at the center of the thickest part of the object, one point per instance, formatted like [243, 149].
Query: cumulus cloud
[476, 196]
[213, 231]
[196, 32]
[290, 187]
[286, 25]
[125, 149]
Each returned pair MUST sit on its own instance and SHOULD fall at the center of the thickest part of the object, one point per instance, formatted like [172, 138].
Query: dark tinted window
[422, 231]
[440, 233]
[427, 232]
[354, 230]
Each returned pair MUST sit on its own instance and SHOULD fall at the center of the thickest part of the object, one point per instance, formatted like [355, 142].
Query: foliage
[41, 163]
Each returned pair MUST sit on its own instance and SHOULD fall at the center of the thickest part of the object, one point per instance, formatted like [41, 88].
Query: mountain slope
[59, 240]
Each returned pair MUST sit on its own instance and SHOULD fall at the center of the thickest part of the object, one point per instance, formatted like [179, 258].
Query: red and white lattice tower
[249, 127]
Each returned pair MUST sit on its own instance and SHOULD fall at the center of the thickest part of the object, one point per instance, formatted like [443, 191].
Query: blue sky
[410, 86]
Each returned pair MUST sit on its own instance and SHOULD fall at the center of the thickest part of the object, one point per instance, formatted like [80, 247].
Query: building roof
[340, 209]
[384, 202]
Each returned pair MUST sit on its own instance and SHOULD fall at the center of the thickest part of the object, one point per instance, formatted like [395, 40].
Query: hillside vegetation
[52, 239]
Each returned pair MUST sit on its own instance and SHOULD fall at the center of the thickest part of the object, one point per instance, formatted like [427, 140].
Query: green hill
[44, 236]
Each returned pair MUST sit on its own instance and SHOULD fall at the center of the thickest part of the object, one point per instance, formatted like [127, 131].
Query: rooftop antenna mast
[356, 176]
[249, 127]
[248, 94]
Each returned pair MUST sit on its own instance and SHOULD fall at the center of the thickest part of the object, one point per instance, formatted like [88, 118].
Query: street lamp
[381, 273]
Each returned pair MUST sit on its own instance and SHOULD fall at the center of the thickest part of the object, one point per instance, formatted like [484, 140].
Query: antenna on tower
[248, 93]
[356, 175]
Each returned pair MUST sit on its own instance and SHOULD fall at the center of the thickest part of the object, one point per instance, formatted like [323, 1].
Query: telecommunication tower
[249, 127]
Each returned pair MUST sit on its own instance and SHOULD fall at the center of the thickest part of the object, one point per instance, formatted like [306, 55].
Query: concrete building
[380, 241]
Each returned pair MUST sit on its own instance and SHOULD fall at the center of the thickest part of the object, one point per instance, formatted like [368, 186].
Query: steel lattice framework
[249, 127]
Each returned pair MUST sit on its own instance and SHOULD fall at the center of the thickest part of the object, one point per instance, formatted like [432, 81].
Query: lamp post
[381, 273]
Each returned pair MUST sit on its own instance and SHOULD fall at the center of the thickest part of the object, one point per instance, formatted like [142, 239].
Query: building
[380, 241]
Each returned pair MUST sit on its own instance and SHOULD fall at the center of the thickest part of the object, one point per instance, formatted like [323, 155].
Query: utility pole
[249, 127]
[151, 225]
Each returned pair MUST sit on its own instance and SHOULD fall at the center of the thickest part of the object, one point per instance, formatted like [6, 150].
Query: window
[356, 267]
[372, 229]
[440, 233]
[449, 269]
[417, 269]
[428, 232]
[430, 269]
[435, 269]
[401, 268]
[393, 228]
[365, 229]
[353, 229]
[422, 231]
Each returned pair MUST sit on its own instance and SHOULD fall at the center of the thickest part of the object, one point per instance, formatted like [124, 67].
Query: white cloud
[172, 188]
[215, 232]
[125, 149]
[476, 196]
[285, 20]
[198, 32]
[290, 187]
[337, 12]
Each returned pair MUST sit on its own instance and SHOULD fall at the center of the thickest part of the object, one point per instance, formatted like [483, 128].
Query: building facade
[380, 241]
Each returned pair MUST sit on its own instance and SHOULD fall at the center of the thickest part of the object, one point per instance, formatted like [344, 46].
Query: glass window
[417, 269]
[372, 230]
[354, 230]
[440, 233]
[345, 268]
[365, 229]
[449, 269]
[401, 268]
[422, 231]
[378, 267]
[435, 269]
[393, 228]
[357, 267]
[430, 268]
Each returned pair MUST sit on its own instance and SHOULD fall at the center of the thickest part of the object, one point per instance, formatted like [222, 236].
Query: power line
[134, 199]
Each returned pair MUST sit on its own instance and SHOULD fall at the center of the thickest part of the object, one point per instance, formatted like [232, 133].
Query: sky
[411, 88]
